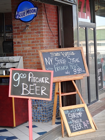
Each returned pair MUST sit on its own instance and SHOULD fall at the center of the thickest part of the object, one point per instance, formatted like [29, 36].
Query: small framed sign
[31, 84]
[77, 119]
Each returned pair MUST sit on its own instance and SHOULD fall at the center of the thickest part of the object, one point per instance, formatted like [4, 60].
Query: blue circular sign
[26, 11]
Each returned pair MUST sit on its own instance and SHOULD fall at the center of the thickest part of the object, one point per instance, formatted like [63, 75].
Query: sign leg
[55, 104]
[60, 105]
[30, 119]
[13, 106]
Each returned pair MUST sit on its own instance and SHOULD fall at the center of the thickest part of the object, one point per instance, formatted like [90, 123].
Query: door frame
[86, 26]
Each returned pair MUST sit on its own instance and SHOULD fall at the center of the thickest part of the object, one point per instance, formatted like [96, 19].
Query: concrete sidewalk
[98, 112]
[47, 131]
[97, 135]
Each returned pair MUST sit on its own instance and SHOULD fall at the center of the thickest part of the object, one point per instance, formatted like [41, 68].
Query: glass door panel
[82, 43]
[91, 56]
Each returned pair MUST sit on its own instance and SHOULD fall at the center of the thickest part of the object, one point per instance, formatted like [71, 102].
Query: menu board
[77, 119]
[28, 83]
[64, 62]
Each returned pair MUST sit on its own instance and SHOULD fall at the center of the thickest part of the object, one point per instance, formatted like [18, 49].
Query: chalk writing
[60, 68]
[33, 89]
[77, 119]
[31, 83]
[48, 61]
[64, 62]
[17, 76]
[67, 72]
[31, 78]
[73, 60]
[60, 61]
[74, 115]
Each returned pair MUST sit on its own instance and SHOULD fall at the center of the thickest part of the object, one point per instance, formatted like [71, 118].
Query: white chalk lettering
[48, 61]
[60, 61]
[31, 78]
[73, 60]
[85, 124]
[74, 115]
[65, 54]
[24, 88]
[76, 126]
[37, 88]
[17, 76]
[30, 75]
[46, 80]
[33, 89]
[42, 91]
[60, 68]
[55, 54]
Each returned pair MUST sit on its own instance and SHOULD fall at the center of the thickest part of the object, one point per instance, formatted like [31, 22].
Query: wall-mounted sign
[26, 11]
[67, 1]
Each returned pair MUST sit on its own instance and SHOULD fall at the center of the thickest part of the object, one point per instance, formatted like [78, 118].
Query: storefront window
[6, 35]
[84, 10]
[91, 53]
[100, 34]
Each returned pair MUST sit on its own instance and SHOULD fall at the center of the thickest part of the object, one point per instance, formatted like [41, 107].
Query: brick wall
[27, 42]
[39, 35]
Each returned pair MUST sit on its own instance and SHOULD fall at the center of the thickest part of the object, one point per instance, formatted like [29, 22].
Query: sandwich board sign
[77, 119]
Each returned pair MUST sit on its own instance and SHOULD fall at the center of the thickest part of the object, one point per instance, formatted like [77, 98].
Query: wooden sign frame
[29, 97]
[68, 77]
[67, 125]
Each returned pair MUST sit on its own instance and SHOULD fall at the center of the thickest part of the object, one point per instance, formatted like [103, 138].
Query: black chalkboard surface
[77, 119]
[64, 62]
[27, 83]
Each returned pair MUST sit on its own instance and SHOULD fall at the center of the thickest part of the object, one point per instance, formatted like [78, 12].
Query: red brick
[37, 36]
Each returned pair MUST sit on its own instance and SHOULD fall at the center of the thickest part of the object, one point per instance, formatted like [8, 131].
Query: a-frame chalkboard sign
[77, 119]
[67, 63]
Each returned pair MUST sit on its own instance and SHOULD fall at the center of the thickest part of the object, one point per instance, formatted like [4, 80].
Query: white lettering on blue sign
[25, 13]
